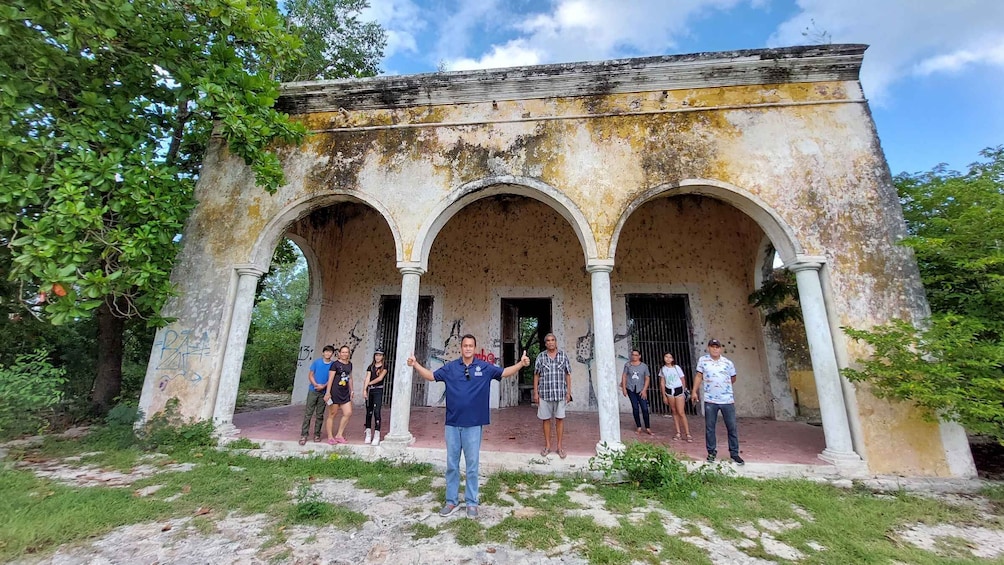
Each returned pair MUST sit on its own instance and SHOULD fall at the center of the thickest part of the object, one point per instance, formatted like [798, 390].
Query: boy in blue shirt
[318, 377]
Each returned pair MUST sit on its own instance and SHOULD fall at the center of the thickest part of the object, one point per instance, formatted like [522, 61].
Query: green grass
[856, 526]
[467, 532]
[36, 514]
[423, 531]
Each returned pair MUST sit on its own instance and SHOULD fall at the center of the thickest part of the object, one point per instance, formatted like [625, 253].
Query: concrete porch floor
[518, 432]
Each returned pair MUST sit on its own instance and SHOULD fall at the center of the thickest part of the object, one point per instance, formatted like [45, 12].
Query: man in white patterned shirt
[552, 391]
[713, 382]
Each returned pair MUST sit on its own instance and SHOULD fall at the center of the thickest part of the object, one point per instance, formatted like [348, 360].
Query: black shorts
[674, 392]
[340, 394]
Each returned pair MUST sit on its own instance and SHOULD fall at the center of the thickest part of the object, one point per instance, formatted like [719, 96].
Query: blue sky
[934, 74]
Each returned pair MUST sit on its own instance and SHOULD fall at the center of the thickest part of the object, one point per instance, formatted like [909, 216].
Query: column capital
[806, 262]
[600, 265]
[410, 268]
[250, 269]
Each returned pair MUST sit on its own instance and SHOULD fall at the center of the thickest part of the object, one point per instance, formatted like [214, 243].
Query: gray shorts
[548, 409]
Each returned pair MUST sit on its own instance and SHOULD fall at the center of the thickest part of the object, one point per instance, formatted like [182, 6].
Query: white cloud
[907, 37]
[513, 54]
[456, 29]
[992, 54]
[400, 19]
[577, 30]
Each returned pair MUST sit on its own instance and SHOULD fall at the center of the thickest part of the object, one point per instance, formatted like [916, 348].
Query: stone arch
[261, 252]
[779, 232]
[491, 186]
[313, 269]
[276, 229]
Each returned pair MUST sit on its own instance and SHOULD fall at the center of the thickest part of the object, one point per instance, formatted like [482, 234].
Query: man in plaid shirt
[552, 391]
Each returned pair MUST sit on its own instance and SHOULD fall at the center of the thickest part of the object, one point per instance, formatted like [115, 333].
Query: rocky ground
[388, 536]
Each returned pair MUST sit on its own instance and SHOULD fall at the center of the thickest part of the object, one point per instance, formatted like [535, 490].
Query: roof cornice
[815, 63]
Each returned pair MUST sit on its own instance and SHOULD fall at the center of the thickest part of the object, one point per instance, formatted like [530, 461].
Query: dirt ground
[386, 538]
[260, 400]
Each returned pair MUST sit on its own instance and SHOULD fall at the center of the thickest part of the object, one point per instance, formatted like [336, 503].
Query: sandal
[331, 441]
[303, 440]
[562, 454]
[690, 438]
[544, 452]
[677, 437]
[317, 438]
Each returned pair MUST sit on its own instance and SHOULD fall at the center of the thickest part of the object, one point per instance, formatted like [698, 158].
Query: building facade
[621, 203]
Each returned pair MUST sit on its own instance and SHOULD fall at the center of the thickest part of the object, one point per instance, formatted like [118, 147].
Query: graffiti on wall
[454, 337]
[584, 355]
[354, 339]
[305, 355]
[177, 348]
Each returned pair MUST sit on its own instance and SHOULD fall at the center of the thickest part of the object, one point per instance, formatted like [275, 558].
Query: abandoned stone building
[619, 204]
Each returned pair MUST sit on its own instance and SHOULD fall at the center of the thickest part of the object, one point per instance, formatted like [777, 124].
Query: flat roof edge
[813, 63]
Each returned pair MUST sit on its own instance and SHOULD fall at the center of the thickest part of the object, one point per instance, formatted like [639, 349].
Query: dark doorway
[387, 326]
[525, 322]
[660, 324]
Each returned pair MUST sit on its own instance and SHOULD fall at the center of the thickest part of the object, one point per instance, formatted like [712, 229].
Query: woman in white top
[673, 394]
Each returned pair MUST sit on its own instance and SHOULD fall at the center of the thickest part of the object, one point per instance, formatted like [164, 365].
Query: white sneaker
[376, 438]
[369, 435]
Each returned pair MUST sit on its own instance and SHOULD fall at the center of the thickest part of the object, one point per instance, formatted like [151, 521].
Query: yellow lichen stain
[254, 209]
[621, 103]
[803, 384]
[898, 440]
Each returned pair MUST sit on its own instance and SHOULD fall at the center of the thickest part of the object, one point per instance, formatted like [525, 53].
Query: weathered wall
[790, 145]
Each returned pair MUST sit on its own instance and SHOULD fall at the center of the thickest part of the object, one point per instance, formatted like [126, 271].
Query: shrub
[28, 387]
[652, 467]
[169, 431]
[309, 508]
[119, 429]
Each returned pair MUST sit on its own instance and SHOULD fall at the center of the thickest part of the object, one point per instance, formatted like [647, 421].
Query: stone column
[308, 351]
[836, 429]
[604, 361]
[400, 407]
[233, 355]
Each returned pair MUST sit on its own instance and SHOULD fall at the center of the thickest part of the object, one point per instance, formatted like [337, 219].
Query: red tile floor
[518, 430]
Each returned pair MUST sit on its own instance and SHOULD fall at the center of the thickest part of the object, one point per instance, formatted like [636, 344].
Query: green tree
[106, 107]
[276, 322]
[336, 44]
[953, 367]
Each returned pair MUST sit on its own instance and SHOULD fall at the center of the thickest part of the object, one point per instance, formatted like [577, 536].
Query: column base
[848, 463]
[226, 431]
[400, 441]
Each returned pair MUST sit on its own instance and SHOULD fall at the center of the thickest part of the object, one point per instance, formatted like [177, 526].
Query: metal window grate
[660, 324]
[387, 328]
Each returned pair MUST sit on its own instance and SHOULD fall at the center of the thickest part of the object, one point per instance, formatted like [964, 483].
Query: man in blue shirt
[468, 400]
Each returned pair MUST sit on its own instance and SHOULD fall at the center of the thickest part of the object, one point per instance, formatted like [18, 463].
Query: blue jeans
[711, 420]
[638, 402]
[468, 441]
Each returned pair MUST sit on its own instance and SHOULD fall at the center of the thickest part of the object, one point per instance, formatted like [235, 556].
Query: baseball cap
[379, 351]
[714, 342]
